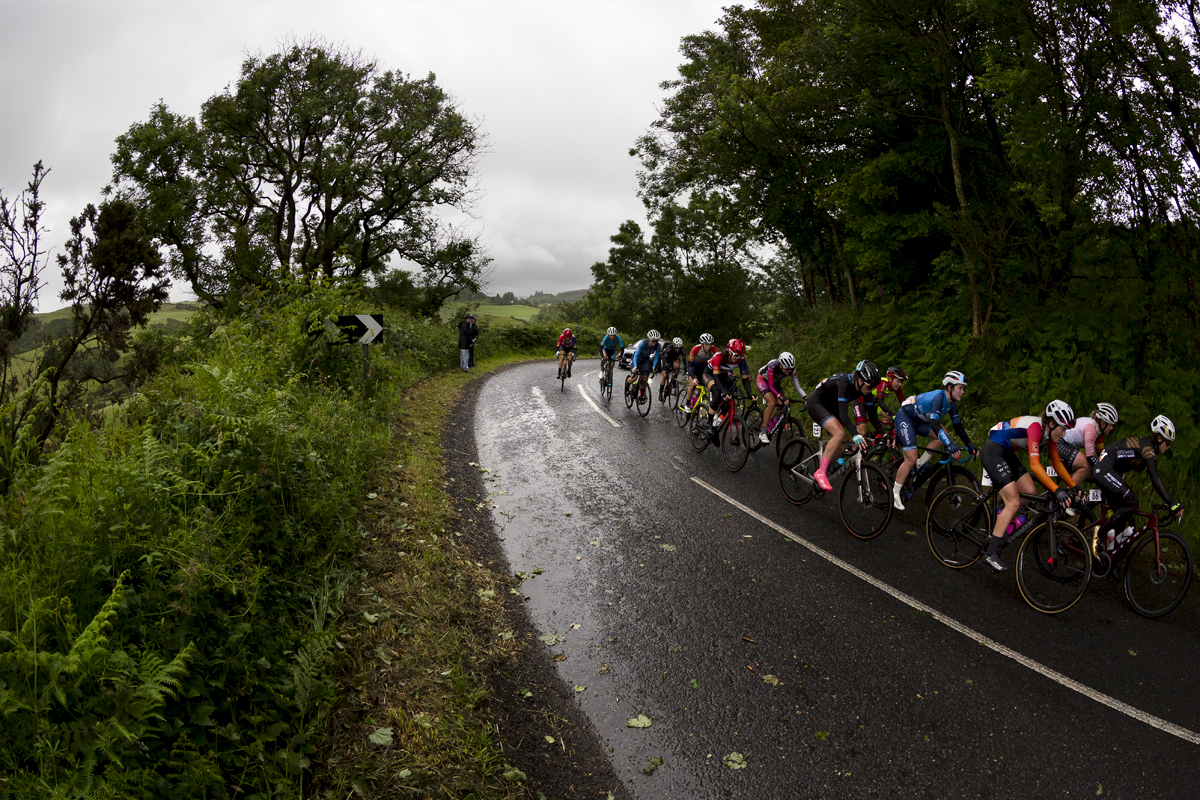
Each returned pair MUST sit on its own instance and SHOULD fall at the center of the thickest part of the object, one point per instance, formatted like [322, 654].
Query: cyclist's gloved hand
[859, 440]
[1176, 507]
[1062, 497]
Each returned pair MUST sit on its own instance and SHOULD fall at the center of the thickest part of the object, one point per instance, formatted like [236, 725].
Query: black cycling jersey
[837, 392]
[1134, 454]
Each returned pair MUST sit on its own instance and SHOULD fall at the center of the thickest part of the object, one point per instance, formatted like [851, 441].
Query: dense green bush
[169, 580]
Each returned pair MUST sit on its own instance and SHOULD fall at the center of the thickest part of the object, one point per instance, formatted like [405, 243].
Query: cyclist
[770, 386]
[1079, 449]
[645, 358]
[828, 406]
[672, 352]
[697, 360]
[892, 382]
[566, 352]
[610, 345]
[1135, 454]
[922, 416]
[718, 375]
[1008, 476]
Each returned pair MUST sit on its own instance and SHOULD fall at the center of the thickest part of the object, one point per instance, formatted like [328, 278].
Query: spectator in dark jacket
[468, 332]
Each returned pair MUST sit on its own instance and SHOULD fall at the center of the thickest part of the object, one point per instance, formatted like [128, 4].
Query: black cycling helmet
[867, 371]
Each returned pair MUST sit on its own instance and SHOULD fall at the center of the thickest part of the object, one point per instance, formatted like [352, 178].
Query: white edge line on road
[615, 424]
[912, 602]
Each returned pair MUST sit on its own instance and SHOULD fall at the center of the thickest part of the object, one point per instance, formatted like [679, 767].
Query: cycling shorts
[611, 355]
[908, 428]
[818, 412]
[1002, 464]
[566, 351]
[1116, 492]
[763, 386]
[1067, 452]
[645, 365]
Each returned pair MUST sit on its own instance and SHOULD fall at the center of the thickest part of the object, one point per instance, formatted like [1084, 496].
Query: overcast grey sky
[561, 89]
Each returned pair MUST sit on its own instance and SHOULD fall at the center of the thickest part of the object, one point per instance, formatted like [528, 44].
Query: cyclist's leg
[769, 412]
[1081, 470]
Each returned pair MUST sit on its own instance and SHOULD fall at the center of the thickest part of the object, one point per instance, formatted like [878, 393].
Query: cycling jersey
[882, 390]
[832, 397]
[771, 379]
[645, 355]
[720, 363]
[922, 415]
[1085, 436]
[1027, 433]
[1131, 454]
[670, 354]
[611, 344]
[566, 342]
[698, 358]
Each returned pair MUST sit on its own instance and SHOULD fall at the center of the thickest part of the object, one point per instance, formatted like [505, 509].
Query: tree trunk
[960, 192]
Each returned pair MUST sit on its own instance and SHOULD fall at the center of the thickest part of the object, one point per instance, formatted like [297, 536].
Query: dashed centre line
[912, 602]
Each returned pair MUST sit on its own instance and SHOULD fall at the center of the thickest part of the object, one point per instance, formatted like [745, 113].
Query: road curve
[837, 668]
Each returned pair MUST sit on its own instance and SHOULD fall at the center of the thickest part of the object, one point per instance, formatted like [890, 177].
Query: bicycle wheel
[562, 380]
[1053, 567]
[700, 428]
[630, 391]
[754, 426]
[682, 414]
[958, 525]
[735, 443]
[675, 393]
[1155, 584]
[796, 465]
[645, 394]
[951, 476]
[608, 382]
[786, 431]
[865, 500]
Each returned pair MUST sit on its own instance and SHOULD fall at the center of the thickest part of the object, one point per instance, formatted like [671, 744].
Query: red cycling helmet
[736, 347]
[566, 331]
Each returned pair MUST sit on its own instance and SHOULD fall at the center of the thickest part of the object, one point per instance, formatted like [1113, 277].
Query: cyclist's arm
[799, 389]
[1063, 471]
[1156, 481]
[936, 426]
[1034, 438]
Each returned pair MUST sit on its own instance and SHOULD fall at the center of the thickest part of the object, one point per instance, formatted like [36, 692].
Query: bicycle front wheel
[1156, 582]
[700, 428]
[1053, 567]
[682, 415]
[865, 500]
[754, 426]
[796, 466]
[630, 394]
[645, 394]
[950, 476]
[788, 430]
[735, 443]
[957, 526]
[608, 382]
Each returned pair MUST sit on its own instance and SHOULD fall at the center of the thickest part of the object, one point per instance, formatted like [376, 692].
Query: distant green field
[522, 313]
[179, 312]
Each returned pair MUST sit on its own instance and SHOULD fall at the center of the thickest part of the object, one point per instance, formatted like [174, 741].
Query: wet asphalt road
[675, 604]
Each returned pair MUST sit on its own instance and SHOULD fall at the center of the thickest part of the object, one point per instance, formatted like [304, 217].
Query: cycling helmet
[787, 360]
[736, 347]
[1163, 427]
[566, 331]
[1105, 412]
[611, 331]
[706, 338]
[897, 372]
[954, 378]
[677, 342]
[653, 334]
[867, 371]
[1061, 413]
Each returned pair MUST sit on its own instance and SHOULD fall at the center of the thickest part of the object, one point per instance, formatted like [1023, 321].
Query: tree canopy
[315, 164]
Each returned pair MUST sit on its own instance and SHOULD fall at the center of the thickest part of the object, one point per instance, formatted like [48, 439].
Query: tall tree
[314, 164]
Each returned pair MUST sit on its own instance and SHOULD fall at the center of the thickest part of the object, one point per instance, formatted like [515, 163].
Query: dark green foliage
[205, 533]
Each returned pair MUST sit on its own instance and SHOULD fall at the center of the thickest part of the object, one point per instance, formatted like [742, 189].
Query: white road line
[615, 424]
[912, 602]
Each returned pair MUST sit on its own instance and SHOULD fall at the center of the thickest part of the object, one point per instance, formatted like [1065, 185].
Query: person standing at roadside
[468, 332]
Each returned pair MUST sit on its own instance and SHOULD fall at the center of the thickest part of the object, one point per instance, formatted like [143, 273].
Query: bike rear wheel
[735, 443]
[865, 500]
[796, 466]
[957, 526]
[1156, 583]
[1053, 567]
[700, 428]
[954, 476]
[630, 393]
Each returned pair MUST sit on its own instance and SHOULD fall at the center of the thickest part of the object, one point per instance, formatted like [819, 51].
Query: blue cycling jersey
[927, 408]
[608, 343]
[643, 352]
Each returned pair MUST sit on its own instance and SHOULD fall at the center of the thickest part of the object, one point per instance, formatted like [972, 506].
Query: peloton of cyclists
[566, 352]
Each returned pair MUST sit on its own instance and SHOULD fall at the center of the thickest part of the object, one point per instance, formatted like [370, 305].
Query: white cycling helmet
[706, 338]
[1106, 412]
[787, 360]
[653, 334]
[677, 342]
[1061, 413]
[954, 378]
[612, 331]
[1163, 427]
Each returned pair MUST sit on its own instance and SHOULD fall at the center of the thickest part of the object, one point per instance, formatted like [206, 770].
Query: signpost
[364, 329]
